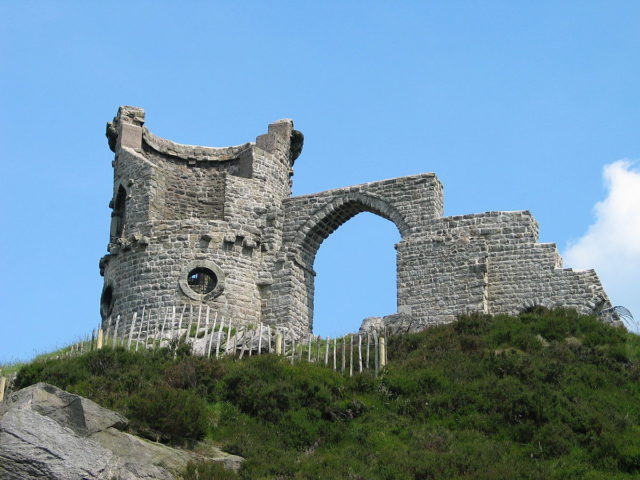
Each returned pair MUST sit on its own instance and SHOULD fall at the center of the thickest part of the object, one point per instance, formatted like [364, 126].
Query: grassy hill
[545, 395]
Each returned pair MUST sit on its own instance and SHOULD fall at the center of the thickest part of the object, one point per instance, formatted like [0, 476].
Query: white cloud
[611, 245]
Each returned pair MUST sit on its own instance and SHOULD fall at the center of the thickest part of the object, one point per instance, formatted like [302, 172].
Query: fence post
[243, 342]
[206, 332]
[133, 324]
[100, 339]
[115, 333]
[360, 353]
[220, 334]
[344, 353]
[278, 343]
[107, 331]
[309, 349]
[351, 355]
[208, 336]
[146, 339]
[140, 329]
[293, 350]
[173, 322]
[198, 326]
[164, 325]
[189, 324]
[326, 353]
[335, 342]
[386, 350]
[3, 385]
[383, 353]
[260, 338]
[368, 339]
[226, 345]
[184, 309]
[376, 356]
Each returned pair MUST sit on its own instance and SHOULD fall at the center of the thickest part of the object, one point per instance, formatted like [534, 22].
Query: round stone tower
[193, 226]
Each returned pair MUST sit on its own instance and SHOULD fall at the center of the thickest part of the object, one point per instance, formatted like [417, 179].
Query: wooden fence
[212, 336]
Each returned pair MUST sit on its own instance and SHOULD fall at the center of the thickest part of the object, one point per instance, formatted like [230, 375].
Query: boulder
[396, 323]
[370, 324]
[47, 433]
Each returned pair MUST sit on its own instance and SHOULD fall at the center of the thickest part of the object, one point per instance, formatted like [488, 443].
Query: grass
[545, 395]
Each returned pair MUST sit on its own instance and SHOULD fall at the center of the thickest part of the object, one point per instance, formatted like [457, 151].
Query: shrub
[479, 399]
[267, 386]
[553, 440]
[208, 471]
[162, 412]
[61, 373]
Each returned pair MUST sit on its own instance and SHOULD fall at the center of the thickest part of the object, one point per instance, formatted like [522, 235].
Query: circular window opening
[106, 301]
[202, 280]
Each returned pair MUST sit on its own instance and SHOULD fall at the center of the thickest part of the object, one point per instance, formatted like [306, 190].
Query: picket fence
[212, 336]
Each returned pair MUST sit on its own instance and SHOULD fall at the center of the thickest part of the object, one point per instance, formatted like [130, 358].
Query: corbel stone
[249, 242]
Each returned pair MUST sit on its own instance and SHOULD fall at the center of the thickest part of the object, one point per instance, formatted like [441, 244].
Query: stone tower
[218, 227]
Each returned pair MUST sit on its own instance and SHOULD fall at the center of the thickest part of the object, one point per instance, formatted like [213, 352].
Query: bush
[483, 398]
[62, 373]
[267, 386]
[162, 412]
[208, 471]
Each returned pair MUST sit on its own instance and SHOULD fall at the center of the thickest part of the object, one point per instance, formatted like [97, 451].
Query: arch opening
[329, 218]
[118, 215]
[366, 283]
[355, 275]
[107, 300]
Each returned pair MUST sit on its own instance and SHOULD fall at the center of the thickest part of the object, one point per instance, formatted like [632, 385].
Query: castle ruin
[219, 227]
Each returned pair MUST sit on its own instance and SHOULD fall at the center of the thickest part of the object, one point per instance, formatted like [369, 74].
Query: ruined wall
[408, 202]
[229, 212]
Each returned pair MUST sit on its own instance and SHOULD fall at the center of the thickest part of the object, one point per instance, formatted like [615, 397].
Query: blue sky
[514, 105]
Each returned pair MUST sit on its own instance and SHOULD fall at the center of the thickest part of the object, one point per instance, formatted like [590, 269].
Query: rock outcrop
[47, 433]
[396, 323]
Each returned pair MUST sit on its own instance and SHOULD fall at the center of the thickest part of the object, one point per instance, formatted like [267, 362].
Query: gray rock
[80, 414]
[396, 323]
[47, 433]
[370, 324]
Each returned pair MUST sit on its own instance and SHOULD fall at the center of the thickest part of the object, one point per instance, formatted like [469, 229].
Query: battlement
[127, 130]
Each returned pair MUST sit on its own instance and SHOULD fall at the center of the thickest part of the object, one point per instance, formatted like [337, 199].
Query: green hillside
[545, 395]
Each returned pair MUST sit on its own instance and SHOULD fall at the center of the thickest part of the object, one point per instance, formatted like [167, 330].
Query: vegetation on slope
[545, 395]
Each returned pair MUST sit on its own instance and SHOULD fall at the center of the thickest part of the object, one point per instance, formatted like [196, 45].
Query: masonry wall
[194, 206]
[408, 202]
[230, 210]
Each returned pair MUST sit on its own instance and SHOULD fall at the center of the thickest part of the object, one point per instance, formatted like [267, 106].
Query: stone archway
[295, 285]
[327, 219]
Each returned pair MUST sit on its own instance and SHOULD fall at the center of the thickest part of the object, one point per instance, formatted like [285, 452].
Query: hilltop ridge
[544, 395]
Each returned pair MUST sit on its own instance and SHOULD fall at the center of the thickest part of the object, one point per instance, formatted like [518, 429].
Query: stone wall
[230, 212]
[190, 207]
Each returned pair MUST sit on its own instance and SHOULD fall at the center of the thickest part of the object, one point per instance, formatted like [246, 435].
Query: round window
[202, 280]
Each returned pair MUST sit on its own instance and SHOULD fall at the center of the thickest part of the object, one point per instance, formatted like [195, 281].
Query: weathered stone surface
[47, 433]
[80, 414]
[396, 323]
[370, 324]
[232, 206]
